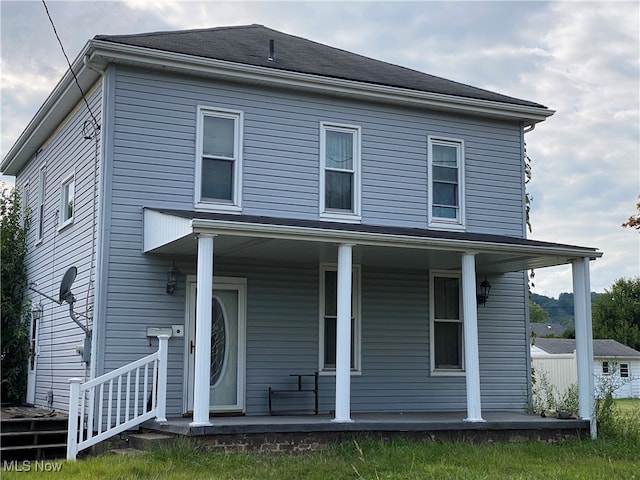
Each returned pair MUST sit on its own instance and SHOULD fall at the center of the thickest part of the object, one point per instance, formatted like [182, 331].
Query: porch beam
[202, 361]
[343, 334]
[584, 340]
[471, 354]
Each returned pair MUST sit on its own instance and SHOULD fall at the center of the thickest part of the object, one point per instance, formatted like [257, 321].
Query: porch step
[148, 440]
[33, 438]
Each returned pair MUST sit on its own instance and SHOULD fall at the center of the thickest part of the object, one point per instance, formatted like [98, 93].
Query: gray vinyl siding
[155, 135]
[283, 338]
[153, 165]
[65, 152]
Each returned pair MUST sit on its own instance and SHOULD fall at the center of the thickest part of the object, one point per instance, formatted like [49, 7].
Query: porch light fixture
[483, 296]
[36, 312]
[172, 284]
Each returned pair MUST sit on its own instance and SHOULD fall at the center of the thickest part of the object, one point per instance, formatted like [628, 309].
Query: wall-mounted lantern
[36, 312]
[483, 294]
[172, 282]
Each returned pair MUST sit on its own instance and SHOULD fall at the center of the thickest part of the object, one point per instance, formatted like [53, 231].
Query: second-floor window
[67, 199]
[219, 160]
[340, 172]
[446, 187]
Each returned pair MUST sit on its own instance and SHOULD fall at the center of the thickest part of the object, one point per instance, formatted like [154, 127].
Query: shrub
[545, 396]
[14, 337]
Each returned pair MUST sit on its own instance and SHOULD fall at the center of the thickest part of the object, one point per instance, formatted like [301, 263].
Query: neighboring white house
[612, 361]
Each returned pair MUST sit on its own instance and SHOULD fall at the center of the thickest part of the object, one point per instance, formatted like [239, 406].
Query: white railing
[124, 398]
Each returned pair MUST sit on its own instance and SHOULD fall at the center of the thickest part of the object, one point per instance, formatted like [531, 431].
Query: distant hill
[560, 310]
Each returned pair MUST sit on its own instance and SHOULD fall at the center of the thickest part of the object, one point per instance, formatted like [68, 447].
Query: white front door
[227, 372]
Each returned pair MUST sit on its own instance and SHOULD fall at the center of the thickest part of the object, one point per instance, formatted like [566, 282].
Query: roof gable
[250, 45]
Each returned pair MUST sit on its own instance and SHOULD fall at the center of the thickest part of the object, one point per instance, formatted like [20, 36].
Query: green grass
[616, 455]
[628, 404]
[603, 459]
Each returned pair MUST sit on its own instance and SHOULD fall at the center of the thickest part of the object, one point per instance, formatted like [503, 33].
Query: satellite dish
[65, 285]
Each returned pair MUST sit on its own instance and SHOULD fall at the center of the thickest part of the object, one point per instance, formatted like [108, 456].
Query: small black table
[300, 388]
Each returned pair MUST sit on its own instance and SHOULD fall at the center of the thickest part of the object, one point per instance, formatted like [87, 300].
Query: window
[41, 202]
[219, 160]
[340, 172]
[605, 367]
[445, 310]
[329, 316]
[67, 197]
[624, 370]
[446, 189]
[25, 207]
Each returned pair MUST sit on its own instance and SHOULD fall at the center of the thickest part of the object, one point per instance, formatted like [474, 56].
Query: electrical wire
[95, 121]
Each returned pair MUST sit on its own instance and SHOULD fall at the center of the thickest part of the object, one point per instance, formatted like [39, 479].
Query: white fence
[124, 398]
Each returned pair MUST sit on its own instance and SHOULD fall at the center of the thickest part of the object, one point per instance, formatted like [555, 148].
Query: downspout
[98, 295]
[525, 275]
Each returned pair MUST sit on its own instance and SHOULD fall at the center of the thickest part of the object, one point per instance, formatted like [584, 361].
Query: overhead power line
[95, 121]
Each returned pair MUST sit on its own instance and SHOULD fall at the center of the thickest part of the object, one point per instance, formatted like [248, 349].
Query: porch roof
[174, 232]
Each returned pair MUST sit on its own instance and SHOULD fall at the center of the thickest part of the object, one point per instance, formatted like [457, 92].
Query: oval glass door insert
[218, 341]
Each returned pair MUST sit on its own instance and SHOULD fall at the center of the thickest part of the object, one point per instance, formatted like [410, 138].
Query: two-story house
[279, 206]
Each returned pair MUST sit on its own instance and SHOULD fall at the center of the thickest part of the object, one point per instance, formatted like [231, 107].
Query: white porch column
[343, 335]
[202, 368]
[584, 340]
[471, 355]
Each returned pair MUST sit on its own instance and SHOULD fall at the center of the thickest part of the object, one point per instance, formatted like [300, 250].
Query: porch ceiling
[279, 240]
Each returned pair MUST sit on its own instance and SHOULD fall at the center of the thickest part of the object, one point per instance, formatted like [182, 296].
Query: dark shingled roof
[601, 348]
[249, 44]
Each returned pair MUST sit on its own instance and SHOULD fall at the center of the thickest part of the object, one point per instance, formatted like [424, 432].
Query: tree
[537, 314]
[634, 220]
[14, 350]
[616, 314]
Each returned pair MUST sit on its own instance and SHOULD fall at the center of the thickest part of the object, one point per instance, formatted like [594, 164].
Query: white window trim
[42, 191]
[445, 223]
[337, 215]
[65, 222]
[355, 313]
[235, 206]
[432, 360]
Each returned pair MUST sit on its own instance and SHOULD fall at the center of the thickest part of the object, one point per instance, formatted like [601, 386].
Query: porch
[309, 432]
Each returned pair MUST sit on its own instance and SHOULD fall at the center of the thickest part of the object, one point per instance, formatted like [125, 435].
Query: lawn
[614, 457]
[627, 405]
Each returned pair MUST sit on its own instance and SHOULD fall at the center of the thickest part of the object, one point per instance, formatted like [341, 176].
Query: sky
[581, 59]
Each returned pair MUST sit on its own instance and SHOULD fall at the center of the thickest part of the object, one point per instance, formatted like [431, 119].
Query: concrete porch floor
[372, 422]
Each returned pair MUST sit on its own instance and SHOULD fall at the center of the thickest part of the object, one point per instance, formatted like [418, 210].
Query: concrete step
[149, 440]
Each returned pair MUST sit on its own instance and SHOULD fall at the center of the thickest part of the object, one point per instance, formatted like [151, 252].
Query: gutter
[111, 52]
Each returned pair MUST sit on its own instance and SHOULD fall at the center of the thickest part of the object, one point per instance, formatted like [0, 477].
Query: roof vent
[272, 50]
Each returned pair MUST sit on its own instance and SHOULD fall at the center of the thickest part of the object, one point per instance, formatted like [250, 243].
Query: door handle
[192, 347]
